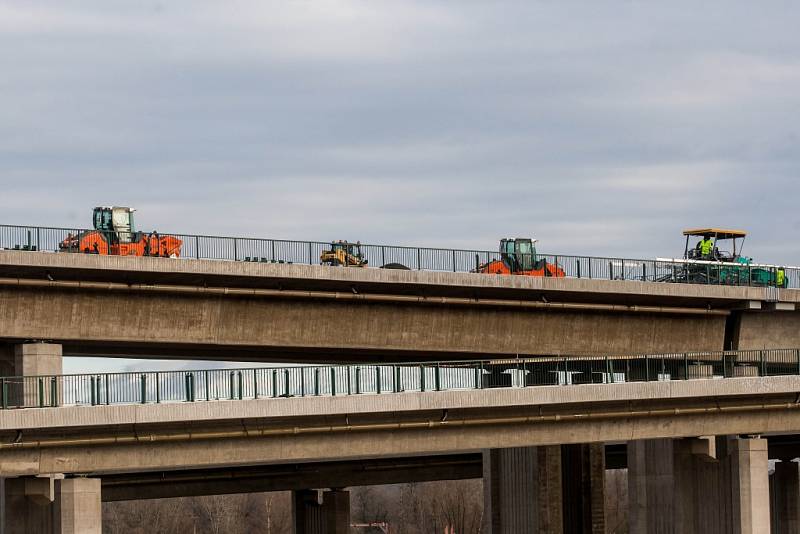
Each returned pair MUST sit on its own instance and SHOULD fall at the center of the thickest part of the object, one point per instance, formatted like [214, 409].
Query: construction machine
[518, 256]
[115, 234]
[721, 261]
[343, 253]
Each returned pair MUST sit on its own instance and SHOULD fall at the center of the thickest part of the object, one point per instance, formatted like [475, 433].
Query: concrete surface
[247, 432]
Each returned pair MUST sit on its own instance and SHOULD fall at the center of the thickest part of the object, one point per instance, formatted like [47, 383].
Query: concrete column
[307, 513]
[37, 359]
[786, 498]
[24, 515]
[522, 490]
[750, 485]
[47, 505]
[34, 359]
[650, 486]
[510, 490]
[549, 478]
[79, 506]
[583, 488]
[336, 505]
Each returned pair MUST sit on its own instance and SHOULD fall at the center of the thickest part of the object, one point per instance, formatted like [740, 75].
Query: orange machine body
[541, 268]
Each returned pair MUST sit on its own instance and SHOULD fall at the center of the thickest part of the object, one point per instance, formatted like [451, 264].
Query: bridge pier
[699, 485]
[583, 474]
[785, 492]
[529, 489]
[30, 359]
[330, 517]
[47, 506]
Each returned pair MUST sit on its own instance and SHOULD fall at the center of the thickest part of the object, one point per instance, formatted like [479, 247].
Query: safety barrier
[155, 387]
[428, 259]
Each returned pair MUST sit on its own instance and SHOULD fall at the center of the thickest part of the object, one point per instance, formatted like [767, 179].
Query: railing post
[797, 355]
[419, 259]
[92, 392]
[241, 384]
[378, 379]
[480, 371]
[186, 387]
[333, 381]
[197, 247]
[40, 387]
[397, 381]
[316, 381]
[437, 378]
[610, 270]
[108, 396]
[255, 383]
[761, 357]
[143, 379]
[578, 265]
[358, 380]
[383, 255]
[644, 272]
[477, 375]
[274, 383]
[685, 366]
[454, 260]
[53, 391]
[230, 385]
[235, 250]
[158, 389]
[208, 384]
[609, 373]
[302, 381]
[646, 368]
[422, 378]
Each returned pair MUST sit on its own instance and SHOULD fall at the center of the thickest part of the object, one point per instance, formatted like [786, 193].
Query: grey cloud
[601, 128]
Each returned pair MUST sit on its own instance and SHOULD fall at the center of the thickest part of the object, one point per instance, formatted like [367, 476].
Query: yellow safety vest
[780, 278]
[706, 245]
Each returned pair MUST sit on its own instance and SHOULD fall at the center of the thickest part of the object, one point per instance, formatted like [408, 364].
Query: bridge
[418, 374]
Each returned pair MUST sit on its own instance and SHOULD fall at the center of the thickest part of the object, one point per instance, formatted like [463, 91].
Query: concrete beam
[242, 328]
[265, 478]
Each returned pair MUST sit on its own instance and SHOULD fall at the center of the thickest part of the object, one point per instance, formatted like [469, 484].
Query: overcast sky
[598, 127]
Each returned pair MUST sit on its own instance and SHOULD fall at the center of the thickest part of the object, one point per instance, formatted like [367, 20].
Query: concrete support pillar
[307, 516]
[750, 484]
[583, 488]
[24, 515]
[650, 486]
[785, 492]
[47, 505]
[700, 485]
[35, 359]
[80, 506]
[32, 359]
[522, 490]
[336, 505]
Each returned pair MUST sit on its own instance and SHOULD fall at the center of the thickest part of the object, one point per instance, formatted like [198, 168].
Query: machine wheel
[398, 266]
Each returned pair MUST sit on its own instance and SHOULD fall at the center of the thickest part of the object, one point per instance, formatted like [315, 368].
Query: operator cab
[518, 253]
[720, 237]
[115, 222]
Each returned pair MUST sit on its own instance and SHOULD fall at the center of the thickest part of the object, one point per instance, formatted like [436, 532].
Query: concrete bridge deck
[154, 307]
[130, 438]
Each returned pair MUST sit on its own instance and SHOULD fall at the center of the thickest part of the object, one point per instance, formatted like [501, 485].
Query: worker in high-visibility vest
[780, 277]
[705, 247]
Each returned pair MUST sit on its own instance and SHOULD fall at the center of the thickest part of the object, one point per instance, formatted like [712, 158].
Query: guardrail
[315, 381]
[430, 259]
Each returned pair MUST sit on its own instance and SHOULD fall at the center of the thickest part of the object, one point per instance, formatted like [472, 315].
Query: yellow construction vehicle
[343, 254]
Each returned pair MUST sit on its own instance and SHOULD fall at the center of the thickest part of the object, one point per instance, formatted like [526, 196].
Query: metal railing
[428, 259]
[155, 387]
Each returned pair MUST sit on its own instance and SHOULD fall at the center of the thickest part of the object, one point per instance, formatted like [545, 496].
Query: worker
[705, 247]
[780, 277]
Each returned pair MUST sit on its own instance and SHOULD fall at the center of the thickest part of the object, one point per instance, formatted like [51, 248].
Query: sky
[602, 127]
